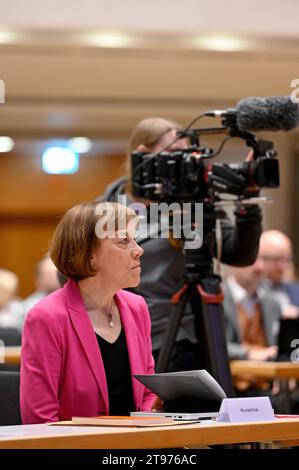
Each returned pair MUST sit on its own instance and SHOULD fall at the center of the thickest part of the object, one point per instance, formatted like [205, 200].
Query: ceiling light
[60, 160]
[107, 40]
[80, 144]
[9, 37]
[6, 144]
[221, 43]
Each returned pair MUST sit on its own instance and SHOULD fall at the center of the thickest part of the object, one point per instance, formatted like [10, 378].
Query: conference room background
[95, 76]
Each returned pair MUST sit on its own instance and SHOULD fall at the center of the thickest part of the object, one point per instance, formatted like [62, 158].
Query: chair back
[10, 398]
[10, 336]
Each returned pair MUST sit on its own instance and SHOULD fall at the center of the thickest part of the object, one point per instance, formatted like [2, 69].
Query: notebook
[121, 421]
[288, 331]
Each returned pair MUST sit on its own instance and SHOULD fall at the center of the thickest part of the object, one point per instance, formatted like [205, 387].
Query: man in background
[251, 323]
[251, 315]
[276, 251]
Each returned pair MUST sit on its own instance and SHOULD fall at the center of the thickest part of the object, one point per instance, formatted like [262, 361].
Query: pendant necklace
[106, 314]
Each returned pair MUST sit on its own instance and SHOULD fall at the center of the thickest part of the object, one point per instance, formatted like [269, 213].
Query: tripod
[202, 289]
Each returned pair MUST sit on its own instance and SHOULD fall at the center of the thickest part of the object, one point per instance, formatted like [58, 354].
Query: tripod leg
[217, 342]
[170, 333]
[211, 337]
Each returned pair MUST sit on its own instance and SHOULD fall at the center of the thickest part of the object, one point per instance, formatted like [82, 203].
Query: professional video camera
[189, 175]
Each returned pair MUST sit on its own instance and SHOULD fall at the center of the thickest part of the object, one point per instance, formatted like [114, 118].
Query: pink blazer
[62, 372]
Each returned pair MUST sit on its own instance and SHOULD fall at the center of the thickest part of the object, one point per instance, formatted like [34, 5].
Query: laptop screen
[288, 332]
[194, 391]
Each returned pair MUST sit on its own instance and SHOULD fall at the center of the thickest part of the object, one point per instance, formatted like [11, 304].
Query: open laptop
[187, 395]
[288, 332]
[176, 415]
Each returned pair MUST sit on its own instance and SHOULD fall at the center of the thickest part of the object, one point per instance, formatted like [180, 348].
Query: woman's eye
[124, 241]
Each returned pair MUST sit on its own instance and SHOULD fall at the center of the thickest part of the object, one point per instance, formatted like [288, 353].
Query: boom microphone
[262, 114]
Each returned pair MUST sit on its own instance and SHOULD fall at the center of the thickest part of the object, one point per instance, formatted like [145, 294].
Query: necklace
[107, 314]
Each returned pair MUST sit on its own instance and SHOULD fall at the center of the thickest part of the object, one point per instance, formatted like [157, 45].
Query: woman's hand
[158, 404]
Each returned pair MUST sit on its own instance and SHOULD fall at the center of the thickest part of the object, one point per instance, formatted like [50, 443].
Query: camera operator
[163, 266]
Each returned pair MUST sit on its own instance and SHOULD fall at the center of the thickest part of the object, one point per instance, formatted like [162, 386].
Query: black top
[118, 374]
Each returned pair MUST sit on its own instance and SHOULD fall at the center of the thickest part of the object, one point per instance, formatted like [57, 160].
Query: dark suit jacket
[292, 289]
[270, 315]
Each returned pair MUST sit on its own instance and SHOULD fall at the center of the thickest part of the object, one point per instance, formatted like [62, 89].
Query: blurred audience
[251, 315]
[252, 324]
[46, 281]
[276, 251]
[11, 308]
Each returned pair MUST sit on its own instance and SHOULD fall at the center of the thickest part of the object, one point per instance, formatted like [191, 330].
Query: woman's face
[118, 260]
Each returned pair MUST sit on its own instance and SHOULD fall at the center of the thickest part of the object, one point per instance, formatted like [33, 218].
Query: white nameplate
[237, 410]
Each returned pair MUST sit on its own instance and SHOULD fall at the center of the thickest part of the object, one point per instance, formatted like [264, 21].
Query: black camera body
[189, 175]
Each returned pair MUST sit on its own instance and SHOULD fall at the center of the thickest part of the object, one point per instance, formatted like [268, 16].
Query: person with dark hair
[83, 343]
[163, 264]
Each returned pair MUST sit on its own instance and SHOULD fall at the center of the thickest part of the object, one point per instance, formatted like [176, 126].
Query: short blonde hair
[80, 231]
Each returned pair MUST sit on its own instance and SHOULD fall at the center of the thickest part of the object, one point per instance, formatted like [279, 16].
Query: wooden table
[265, 369]
[42, 436]
[283, 371]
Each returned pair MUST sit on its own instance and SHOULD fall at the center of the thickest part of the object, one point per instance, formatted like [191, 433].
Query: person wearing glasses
[83, 343]
[276, 252]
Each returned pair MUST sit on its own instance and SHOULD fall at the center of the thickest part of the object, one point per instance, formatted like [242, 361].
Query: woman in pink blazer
[83, 343]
